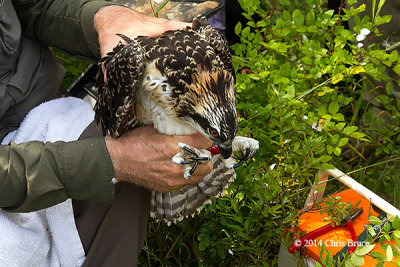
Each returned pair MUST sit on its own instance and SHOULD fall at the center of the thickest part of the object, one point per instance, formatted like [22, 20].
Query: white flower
[364, 63]
[272, 166]
[360, 37]
[359, 45]
[230, 251]
[316, 127]
[305, 117]
[365, 31]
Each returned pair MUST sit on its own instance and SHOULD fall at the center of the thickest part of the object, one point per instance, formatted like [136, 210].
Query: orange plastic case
[337, 238]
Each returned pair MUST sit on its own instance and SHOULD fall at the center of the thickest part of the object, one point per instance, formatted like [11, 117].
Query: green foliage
[302, 87]
[161, 6]
[74, 67]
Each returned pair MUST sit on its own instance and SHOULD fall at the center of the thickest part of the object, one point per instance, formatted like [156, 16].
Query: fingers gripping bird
[182, 82]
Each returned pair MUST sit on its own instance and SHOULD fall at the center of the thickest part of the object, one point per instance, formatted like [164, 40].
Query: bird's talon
[237, 165]
[201, 158]
[253, 154]
[190, 157]
[246, 149]
[190, 151]
[193, 168]
[247, 153]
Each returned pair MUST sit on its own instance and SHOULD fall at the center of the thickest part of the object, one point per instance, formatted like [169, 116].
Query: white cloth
[47, 237]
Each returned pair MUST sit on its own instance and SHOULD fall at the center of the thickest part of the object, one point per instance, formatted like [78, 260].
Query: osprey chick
[182, 82]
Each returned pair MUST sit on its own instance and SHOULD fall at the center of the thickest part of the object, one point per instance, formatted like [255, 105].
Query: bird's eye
[214, 132]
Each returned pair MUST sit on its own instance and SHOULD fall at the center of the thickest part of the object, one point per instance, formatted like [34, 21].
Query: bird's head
[210, 107]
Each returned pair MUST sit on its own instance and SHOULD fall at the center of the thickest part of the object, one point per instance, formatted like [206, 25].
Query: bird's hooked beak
[226, 151]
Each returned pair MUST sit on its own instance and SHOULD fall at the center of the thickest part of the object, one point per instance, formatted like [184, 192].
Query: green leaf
[356, 70]
[371, 230]
[343, 142]
[361, 251]
[261, 24]
[325, 158]
[204, 244]
[374, 220]
[327, 166]
[285, 70]
[298, 18]
[340, 126]
[312, 28]
[246, 31]
[337, 78]
[396, 234]
[387, 228]
[397, 68]
[337, 151]
[291, 92]
[356, 260]
[310, 18]
[333, 107]
[285, 2]
[349, 129]
[389, 253]
[328, 14]
[238, 28]
[338, 117]
[389, 88]
[357, 135]
[377, 255]
[394, 56]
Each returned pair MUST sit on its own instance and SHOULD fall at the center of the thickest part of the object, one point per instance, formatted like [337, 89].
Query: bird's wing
[217, 42]
[115, 106]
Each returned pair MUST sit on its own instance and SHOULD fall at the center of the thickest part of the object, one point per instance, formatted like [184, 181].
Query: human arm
[30, 194]
[36, 175]
[83, 23]
[66, 25]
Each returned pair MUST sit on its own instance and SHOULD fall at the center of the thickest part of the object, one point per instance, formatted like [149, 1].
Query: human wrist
[89, 11]
[117, 157]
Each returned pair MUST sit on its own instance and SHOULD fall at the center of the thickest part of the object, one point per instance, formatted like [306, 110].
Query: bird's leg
[190, 157]
[246, 149]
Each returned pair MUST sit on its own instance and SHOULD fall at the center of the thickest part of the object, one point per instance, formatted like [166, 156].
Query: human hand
[143, 156]
[111, 20]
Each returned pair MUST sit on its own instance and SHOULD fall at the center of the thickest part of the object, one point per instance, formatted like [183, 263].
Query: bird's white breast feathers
[153, 104]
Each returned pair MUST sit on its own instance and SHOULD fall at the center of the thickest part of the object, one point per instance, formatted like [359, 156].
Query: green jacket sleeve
[36, 175]
[67, 25]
